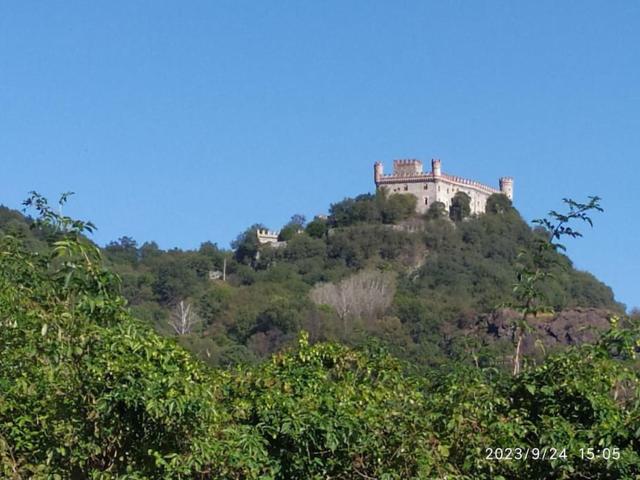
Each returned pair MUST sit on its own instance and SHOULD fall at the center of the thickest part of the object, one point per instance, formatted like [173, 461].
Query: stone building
[435, 186]
[268, 237]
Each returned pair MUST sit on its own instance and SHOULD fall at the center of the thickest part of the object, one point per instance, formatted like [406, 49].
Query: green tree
[460, 207]
[362, 209]
[87, 391]
[498, 203]
[317, 228]
[436, 210]
[535, 265]
[396, 207]
[246, 245]
[295, 225]
[125, 250]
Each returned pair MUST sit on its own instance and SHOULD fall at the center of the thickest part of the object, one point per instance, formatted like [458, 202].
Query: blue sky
[182, 122]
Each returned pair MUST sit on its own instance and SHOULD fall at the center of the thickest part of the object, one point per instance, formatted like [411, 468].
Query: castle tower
[407, 167]
[436, 168]
[506, 186]
[377, 171]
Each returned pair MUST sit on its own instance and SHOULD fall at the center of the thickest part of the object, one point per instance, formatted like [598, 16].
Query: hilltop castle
[435, 186]
[268, 237]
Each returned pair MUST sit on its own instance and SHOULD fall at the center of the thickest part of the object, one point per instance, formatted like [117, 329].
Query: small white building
[268, 237]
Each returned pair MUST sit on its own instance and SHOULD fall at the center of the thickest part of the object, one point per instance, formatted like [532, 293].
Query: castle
[268, 237]
[435, 186]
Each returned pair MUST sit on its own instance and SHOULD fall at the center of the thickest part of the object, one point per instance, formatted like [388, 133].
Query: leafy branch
[529, 296]
[557, 225]
[74, 261]
[51, 220]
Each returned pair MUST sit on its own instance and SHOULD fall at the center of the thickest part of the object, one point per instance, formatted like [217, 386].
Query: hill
[89, 391]
[373, 269]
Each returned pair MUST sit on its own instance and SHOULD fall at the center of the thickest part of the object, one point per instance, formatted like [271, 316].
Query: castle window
[426, 186]
[406, 187]
[426, 201]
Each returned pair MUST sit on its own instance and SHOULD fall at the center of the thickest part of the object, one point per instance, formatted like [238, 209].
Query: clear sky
[188, 121]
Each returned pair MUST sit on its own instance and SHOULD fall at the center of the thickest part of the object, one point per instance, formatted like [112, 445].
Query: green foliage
[472, 267]
[246, 245]
[460, 207]
[317, 228]
[435, 211]
[124, 250]
[328, 412]
[372, 209]
[498, 204]
[396, 207]
[87, 391]
[454, 273]
[295, 225]
[535, 264]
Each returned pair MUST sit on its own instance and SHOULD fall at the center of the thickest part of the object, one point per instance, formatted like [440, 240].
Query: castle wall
[436, 186]
[426, 192]
[430, 191]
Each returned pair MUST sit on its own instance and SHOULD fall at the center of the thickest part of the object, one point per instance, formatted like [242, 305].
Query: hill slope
[88, 391]
[372, 269]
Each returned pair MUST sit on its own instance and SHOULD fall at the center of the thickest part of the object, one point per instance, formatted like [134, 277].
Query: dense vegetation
[433, 278]
[439, 275]
[89, 391]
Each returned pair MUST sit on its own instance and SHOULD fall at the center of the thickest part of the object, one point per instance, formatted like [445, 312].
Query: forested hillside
[89, 391]
[371, 270]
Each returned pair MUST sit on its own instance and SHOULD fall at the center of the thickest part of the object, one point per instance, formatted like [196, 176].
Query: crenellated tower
[378, 171]
[506, 186]
[436, 168]
[406, 168]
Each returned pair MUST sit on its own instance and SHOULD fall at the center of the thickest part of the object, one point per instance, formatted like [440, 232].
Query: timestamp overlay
[521, 454]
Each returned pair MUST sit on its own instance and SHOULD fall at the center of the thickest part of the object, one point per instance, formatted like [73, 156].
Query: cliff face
[549, 332]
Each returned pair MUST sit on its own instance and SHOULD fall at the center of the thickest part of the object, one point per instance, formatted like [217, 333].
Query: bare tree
[366, 294]
[182, 318]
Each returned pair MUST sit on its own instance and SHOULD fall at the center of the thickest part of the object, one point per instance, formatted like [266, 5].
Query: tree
[298, 220]
[213, 302]
[90, 392]
[124, 250]
[396, 207]
[149, 250]
[87, 391]
[534, 267]
[366, 294]
[211, 250]
[174, 278]
[183, 319]
[246, 244]
[460, 207]
[317, 228]
[362, 209]
[436, 210]
[498, 203]
[294, 225]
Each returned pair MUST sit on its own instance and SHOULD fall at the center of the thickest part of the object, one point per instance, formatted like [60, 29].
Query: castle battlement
[407, 167]
[471, 183]
[428, 187]
[267, 236]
